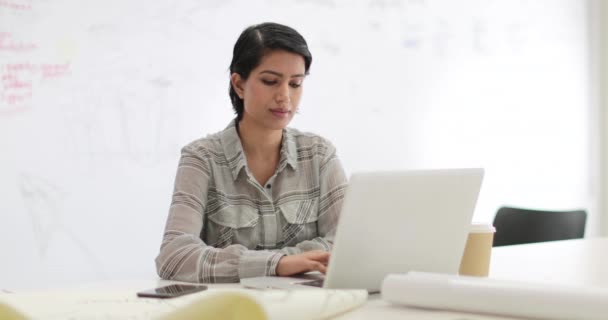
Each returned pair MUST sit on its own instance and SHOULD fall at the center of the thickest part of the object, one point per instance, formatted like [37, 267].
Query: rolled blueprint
[497, 297]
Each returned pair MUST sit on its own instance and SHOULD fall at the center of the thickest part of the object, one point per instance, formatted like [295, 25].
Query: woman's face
[272, 92]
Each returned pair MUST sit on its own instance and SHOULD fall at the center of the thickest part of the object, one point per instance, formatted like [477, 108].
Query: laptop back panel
[394, 222]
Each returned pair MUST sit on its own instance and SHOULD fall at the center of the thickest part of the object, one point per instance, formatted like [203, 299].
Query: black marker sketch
[442, 38]
[137, 122]
[43, 202]
[413, 35]
[479, 29]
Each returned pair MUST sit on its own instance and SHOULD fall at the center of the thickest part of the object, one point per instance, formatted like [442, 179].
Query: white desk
[572, 262]
[575, 262]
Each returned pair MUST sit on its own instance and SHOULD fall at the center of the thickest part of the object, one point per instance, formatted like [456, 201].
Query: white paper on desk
[211, 304]
[497, 297]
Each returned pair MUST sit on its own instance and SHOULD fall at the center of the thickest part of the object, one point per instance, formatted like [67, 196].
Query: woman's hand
[315, 260]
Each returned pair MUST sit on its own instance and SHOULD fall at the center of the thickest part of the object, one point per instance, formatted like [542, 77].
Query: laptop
[394, 222]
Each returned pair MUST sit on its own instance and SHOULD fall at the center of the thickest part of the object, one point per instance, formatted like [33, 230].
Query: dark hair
[256, 41]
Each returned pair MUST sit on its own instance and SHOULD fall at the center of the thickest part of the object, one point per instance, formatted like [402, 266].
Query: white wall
[98, 97]
[600, 74]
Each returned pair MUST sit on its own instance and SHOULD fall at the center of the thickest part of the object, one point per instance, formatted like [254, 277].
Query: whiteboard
[97, 98]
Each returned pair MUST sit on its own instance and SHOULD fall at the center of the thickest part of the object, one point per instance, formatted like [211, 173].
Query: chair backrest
[518, 226]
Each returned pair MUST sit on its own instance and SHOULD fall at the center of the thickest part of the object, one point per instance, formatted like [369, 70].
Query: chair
[518, 226]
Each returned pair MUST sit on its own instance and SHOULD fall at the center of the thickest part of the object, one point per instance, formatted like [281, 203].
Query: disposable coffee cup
[478, 250]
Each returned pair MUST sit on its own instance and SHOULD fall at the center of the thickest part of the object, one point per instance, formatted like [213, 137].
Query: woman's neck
[259, 142]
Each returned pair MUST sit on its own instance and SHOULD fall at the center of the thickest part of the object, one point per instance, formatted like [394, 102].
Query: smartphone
[171, 291]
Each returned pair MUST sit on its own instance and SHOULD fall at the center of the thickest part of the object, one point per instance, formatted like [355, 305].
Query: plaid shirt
[223, 225]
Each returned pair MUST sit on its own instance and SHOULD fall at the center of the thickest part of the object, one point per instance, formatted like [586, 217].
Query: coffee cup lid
[481, 227]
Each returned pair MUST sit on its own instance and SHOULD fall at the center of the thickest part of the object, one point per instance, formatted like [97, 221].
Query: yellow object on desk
[9, 313]
[212, 304]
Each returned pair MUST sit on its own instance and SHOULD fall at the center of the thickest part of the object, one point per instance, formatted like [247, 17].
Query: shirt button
[268, 186]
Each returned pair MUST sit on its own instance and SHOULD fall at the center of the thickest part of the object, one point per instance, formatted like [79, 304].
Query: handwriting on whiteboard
[8, 43]
[16, 5]
[18, 80]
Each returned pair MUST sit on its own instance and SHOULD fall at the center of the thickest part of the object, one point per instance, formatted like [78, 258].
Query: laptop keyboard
[319, 283]
[313, 283]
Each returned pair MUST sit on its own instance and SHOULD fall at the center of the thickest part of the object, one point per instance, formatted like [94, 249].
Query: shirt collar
[289, 153]
[235, 156]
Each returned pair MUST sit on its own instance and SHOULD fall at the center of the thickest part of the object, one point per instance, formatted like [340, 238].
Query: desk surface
[572, 262]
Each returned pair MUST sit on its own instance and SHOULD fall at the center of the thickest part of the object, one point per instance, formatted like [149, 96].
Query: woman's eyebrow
[278, 74]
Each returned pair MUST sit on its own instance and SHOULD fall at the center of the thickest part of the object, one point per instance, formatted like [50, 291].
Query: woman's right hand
[315, 260]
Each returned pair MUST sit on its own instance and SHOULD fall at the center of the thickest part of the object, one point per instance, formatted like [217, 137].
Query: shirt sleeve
[183, 254]
[333, 183]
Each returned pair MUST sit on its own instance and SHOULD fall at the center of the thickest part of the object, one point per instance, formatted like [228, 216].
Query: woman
[258, 198]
